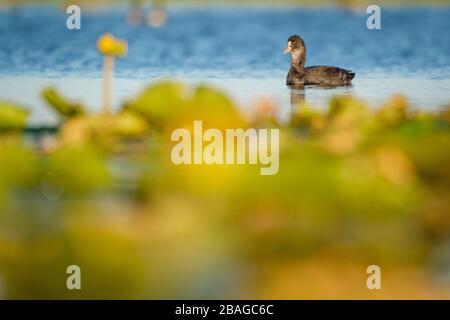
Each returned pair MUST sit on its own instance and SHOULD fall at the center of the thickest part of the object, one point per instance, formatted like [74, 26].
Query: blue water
[409, 55]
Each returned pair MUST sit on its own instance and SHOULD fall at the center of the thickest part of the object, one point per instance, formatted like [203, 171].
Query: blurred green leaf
[12, 117]
[61, 105]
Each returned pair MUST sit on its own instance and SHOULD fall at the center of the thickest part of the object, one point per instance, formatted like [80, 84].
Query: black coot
[318, 75]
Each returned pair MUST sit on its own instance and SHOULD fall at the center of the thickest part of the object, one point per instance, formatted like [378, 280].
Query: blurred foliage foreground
[355, 187]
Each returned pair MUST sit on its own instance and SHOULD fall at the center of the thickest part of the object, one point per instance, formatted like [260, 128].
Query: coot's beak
[287, 50]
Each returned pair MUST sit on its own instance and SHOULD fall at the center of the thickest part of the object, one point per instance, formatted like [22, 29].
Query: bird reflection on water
[297, 96]
[315, 94]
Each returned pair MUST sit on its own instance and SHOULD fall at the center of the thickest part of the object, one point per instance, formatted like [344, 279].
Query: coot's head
[295, 44]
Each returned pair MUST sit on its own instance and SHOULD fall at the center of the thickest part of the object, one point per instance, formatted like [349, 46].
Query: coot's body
[317, 75]
[320, 75]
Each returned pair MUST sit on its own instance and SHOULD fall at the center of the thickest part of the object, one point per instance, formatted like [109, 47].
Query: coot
[317, 75]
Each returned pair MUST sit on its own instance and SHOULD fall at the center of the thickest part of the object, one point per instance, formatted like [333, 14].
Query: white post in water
[108, 73]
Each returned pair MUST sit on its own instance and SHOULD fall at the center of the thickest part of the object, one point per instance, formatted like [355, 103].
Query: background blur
[363, 177]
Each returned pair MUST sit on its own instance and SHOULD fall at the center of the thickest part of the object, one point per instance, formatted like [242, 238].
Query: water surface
[237, 49]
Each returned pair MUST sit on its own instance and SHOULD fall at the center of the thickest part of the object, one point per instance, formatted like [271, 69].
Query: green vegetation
[12, 117]
[355, 187]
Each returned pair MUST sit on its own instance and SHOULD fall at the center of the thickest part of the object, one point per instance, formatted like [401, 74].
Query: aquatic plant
[356, 186]
[61, 105]
[110, 48]
[12, 117]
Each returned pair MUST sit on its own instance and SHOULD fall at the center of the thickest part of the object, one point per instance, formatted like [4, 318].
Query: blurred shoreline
[251, 3]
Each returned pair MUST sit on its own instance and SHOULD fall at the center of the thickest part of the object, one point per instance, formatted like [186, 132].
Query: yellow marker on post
[111, 48]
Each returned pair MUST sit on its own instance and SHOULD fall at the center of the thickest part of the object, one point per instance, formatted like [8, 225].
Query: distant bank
[304, 3]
